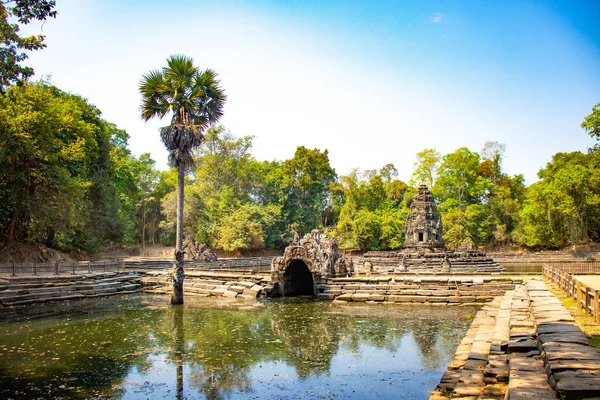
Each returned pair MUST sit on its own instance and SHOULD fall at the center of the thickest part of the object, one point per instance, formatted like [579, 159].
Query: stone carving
[200, 252]
[368, 267]
[344, 267]
[319, 253]
[403, 267]
[423, 225]
[446, 264]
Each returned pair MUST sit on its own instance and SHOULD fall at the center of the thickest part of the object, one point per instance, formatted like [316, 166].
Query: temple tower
[423, 224]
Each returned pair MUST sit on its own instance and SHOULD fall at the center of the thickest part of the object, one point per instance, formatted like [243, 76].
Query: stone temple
[424, 249]
[423, 224]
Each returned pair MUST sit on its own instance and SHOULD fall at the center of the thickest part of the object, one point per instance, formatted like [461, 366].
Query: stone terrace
[208, 283]
[438, 290]
[523, 345]
[34, 289]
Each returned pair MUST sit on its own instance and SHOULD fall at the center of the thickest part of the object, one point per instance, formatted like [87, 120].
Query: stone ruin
[200, 252]
[424, 249]
[308, 262]
[423, 224]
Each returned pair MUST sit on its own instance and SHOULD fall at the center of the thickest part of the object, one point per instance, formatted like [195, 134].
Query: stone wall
[471, 262]
[419, 290]
[244, 285]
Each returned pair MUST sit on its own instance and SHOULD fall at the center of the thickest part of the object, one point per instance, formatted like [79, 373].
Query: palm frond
[194, 97]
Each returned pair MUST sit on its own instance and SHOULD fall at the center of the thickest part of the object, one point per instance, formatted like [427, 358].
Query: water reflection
[136, 347]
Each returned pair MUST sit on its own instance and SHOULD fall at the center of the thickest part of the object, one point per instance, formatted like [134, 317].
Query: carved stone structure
[423, 224]
[200, 252]
[307, 262]
[424, 249]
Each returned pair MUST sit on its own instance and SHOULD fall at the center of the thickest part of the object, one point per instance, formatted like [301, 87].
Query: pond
[139, 347]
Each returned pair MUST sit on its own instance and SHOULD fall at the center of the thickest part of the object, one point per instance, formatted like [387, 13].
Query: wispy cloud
[436, 18]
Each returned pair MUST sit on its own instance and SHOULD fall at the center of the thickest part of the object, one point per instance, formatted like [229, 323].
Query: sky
[373, 82]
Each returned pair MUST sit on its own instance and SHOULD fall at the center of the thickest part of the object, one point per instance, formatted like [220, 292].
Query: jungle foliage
[68, 180]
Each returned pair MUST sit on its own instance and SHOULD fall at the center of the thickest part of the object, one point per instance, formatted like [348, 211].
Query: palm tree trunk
[177, 297]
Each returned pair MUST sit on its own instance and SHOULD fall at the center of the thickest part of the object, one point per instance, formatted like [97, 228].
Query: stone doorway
[298, 280]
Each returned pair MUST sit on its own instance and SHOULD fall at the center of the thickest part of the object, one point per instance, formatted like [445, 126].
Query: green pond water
[139, 347]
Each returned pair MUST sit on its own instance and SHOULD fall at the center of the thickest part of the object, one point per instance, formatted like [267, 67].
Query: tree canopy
[69, 181]
[12, 44]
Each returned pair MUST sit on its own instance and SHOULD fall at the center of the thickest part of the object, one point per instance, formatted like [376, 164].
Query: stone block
[237, 289]
[579, 388]
[361, 297]
[326, 296]
[345, 297]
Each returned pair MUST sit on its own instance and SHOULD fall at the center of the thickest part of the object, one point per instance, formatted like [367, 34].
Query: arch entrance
[306, 263]
[298, 280]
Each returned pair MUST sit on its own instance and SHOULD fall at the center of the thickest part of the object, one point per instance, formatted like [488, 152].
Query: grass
[585, 322]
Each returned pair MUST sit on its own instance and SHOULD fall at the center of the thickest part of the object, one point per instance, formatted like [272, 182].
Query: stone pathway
[523, 345]
[573, 367]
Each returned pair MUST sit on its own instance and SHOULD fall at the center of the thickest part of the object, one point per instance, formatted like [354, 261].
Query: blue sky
[371, 81]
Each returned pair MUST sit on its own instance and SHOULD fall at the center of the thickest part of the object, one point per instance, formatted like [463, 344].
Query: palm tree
[196, 101]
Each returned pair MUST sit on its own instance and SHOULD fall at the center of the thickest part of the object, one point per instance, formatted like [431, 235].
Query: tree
[300, 186]
[563, 207]
[459, 183]
[12, 45]
[372, 209]
[66, 175]
[425, 168]
[591, 123]
[196, 101]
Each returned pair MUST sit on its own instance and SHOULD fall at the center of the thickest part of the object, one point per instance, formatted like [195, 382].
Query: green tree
[63, 171]
[563, 207]
[300, 187]
[425, 168]
[372, 209]
[13, 47]
[196, 101]
[591, 123]
[459, 182]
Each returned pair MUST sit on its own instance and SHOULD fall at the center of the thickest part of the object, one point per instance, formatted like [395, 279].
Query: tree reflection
[310, 340]
[178, 347]
[425, 333]
[215, 350]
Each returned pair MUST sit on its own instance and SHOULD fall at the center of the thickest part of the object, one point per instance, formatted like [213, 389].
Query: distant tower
[423, 224]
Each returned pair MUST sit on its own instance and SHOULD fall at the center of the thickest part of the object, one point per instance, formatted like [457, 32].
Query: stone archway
[298, 280]
[307, 262]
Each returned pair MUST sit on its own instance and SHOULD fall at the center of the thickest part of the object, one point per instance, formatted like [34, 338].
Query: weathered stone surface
[237, 288]
[579, 388]
[344, 297]
[559, 327]
[570, 337]
[326, 296]
[495, 390]
[521, 345]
